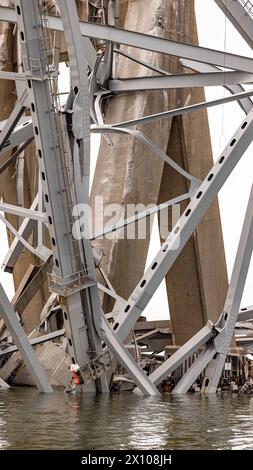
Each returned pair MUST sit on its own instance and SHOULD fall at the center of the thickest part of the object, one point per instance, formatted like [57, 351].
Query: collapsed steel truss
[62, 143]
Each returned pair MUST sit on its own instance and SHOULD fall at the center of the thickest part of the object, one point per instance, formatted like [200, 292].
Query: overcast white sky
[215, 32]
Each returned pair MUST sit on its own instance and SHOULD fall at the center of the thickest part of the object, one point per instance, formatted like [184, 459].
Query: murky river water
[29, 420]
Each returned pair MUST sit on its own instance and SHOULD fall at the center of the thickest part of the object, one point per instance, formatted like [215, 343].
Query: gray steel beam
[23, 212]
[245, 314]
[16, 247]
[214, 355]
[39, 340]
[141, 215]
[183, 110]
[21, 133]
[165, 46]
[81, 128]
[189, 348]
[111, 293]
[190, 80]
[103, 129]
[80, 86]
[33, 286]
[245, 103]
[142, 62]
[42, 253]
[80, 153]
[145, 41]
[75, 45]
[233, 301]
[15, 155]
[24, 131]
[19, 337]
[4, 75]
[239, 17]
[116, 346]
[52, 162]
[195, 370]
[185, 226]
[3, 385]
[11, 123]
[9, 15]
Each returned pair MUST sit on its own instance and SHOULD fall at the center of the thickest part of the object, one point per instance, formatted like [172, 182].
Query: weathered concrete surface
[197, 283]
[128, 173]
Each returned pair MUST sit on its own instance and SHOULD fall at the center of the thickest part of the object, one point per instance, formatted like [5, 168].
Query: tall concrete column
[197, 283]
[127, 173]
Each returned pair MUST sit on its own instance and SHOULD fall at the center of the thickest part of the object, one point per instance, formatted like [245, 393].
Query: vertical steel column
[54, 165]
[81, 136]
[233, 302]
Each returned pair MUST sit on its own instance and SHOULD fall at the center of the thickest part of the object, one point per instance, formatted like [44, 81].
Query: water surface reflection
[29, 420]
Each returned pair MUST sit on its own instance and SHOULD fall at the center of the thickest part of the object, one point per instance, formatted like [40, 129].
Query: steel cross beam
[15, 155]
[245, 103]
[9, 15]
[23, 212]
[4, 75]
[239, 17]
[246, 313]
[39, 340]
[16, 247]
[137, 134]
[25, 130]
[22, 132]
[141, 215]
[232, 303]
[3, 385]
[10, 124]
[142, 62]
[144, 41]
[185, 227]
[30, 359]
[166, 46]
[219, 78]
[43, 254]
[183, 110]
[114, 343]
[189, 348]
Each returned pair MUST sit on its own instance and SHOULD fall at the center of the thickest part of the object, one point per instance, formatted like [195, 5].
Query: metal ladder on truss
[96, 367]
[240, 13]
[83, 277]
[248, 6]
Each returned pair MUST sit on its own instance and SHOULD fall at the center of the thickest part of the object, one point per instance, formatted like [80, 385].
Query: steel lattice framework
[62, 143]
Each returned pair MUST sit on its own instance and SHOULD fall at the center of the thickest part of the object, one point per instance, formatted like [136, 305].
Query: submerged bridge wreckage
[136, 78]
